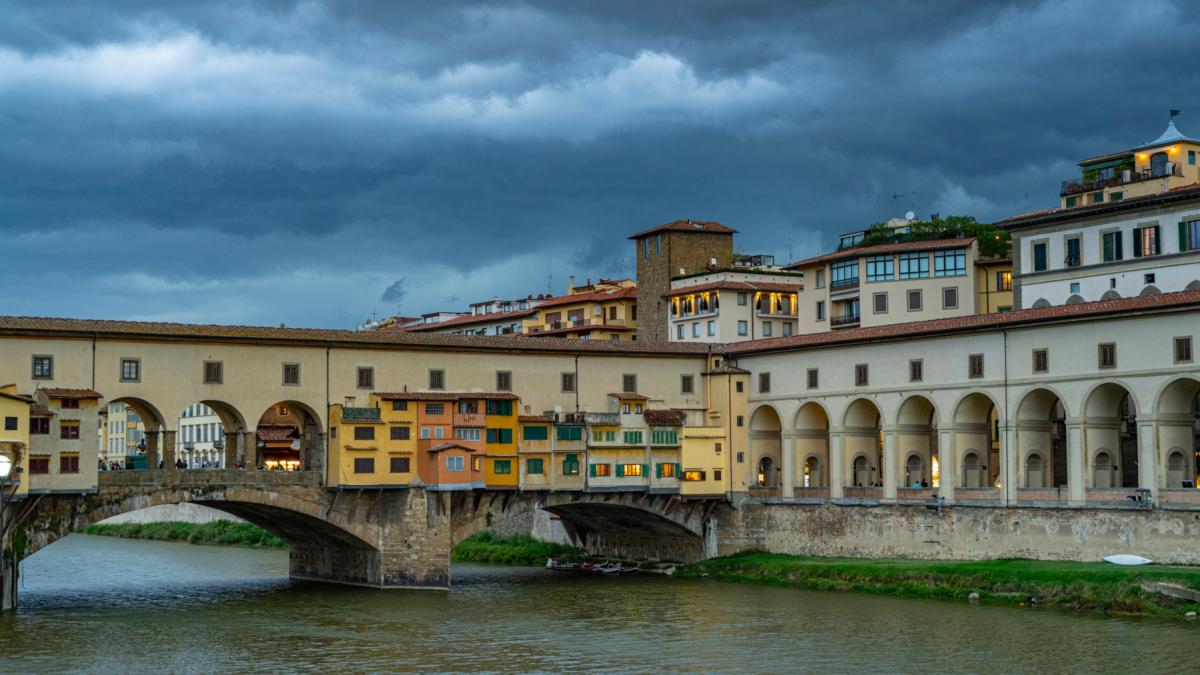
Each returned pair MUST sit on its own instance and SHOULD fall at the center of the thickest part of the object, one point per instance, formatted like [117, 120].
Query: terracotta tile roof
[595, 296]
[38, 410]
[15, 397]
[24, 325]
[276, 433]
[535, 419]
[971, 323]
[664, 418]
[1181, 193]
[447, 395]
[882, 249]
[467, 320]
[71, 393]
[727, 370]
[687, 226]
[731, 285]
[629, 396]
[450, 445]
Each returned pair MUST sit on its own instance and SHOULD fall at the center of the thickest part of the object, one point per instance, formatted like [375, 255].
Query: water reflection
[100, 604]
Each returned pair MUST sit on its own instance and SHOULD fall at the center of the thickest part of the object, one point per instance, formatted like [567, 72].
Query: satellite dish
[910, 216]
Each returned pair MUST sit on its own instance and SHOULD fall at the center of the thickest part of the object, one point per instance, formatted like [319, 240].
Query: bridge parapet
[209, 478]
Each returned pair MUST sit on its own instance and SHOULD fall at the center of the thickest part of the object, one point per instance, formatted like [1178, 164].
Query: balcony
[843, 284]
[844, 320]
[468, 419]
[1126, 177]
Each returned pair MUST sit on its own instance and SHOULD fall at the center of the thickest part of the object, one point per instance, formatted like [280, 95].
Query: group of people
[110, 466]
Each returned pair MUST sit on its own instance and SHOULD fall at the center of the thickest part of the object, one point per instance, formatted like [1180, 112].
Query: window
[1074, 286]
[739, 386]
[399, 405]
[477, 464]
[843, 274]
[535, 433]
[1073, 258]
[630, 470]
[503, 380]
[743, 328]
[950, 298]
[39, 425]
[401, 433]
[743, 299]
[667, 470]
[975, 365]
[467, 433]
[741, 421]
[364, 433]
[456, 463]
[632, 437]
[435, 408]
[39, 465]
[570, 465]
[1189, 235]
[1039, 256]
[764, 383]
[696, 329]
[437, 379]
[716, 474]
[1107, 354]
[1041, 360]
[601, 470]
[569, 433]
[131, 370]
[813, 375]
[502, 467]
[1110, 246]
[664, 437]
[861, 378]
[1192, 157]
[1071, 202]
[1004, 281]
[68, 464]
[1148, 277]
[658, 244]
[821, 278]
[741, 458]
[950, 263]
[914, 265]
[629, 383]
[692, 475]
[11, 423]
[69, 403]
[1116, 196]
[820, 314]
[43, 367]
[69, 431]
[646, 247]
[766, 329]
[880, 268]
[1183, 350]
[880, 301]
[499, 436]
[1145, 241]
[916, 370]
[914, 300]
[568, 382]
[687, 384]
[712, 328]
[291, 374]
[679, 331]
[400, 464]
[787, 329]
[499, 407]
[214, 372]
[534, 466]
[1095, 197]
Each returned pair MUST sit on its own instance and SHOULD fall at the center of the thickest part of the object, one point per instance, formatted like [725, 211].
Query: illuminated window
[601, 470]
[666, 470]
[693, 475]
[628, 470]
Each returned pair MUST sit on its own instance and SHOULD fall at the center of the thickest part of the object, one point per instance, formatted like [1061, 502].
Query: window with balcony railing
[844, 275]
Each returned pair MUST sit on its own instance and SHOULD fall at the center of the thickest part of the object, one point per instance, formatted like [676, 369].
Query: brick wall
[692, 251]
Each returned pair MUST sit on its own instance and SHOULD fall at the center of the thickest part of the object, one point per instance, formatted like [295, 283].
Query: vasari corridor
[707, 337]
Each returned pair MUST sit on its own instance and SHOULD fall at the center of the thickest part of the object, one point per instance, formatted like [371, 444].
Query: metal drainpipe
[1008, 450]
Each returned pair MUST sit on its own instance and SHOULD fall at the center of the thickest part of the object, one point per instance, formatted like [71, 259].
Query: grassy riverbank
[1078, 586]
[217, 532]
[486, 547]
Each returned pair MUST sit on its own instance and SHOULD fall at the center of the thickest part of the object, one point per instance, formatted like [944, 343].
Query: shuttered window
[364, 433]
[629, 383]
[1107, 355]
[1189, 235]
[366, 377]
[916, 370]
[1041, 360]
[568, 382]
[975, 365]
[1183, 350]
[764, 383]
[400, 464]
[437, 379]
[687, 384]
[861, 378]
[364, 465]
[813, 375]
[401, 433]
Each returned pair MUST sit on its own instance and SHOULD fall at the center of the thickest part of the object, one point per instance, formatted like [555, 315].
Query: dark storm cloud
[290, 161]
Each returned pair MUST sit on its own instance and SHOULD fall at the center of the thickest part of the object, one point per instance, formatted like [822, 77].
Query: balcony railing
[844, 284]
[1077, 186]
[845, 320]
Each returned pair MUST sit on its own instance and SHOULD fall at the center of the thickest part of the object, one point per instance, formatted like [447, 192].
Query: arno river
[114, 606]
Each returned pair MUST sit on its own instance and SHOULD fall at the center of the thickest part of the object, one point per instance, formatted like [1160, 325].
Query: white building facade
[733, 305]
[200, 441]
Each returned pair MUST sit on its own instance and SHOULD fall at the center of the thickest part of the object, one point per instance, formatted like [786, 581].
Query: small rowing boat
[606, 568]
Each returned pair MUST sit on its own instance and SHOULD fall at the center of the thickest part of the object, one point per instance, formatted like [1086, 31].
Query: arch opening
[1041, 439]
[977, 431]
[130, 434]
[1178, 411]
[812, 444]
[1111, 428]
[204, 432]
[864, 444]
[766, 447]
[917, 443]
[288, 437]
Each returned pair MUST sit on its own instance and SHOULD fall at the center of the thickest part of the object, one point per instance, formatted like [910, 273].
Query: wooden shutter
[645, 469]
[1183, 236]
[1137, 242]
[592, 470]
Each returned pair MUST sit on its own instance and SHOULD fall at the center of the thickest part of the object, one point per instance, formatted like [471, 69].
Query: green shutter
[1137, 242]
[658, 470]
[646, 470]
[678, 472]
[592, 470]
[1183, 237]
[1120, 239]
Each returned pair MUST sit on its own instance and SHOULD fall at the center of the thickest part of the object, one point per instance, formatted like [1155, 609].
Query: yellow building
[535, 451]
[606, 310]
[374, 445]
[64, 434]
[703, 460]
[993, 285]
[14, 440]
[501, 420]
[1167, 162]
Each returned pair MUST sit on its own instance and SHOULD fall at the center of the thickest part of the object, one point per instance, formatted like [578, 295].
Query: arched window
[1103, 472]
[914, 471]
[972, 471]
[766, 472]
[862, 472]
[1177, 472]
[812, 472]
[1035, 476]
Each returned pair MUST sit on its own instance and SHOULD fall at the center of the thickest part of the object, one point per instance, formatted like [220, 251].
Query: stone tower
[666, 251]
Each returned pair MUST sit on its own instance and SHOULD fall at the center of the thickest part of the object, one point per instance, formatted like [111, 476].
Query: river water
[117, 606]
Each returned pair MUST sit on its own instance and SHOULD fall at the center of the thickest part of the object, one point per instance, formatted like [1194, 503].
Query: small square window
[1107, 354]
[916, 370]
[503, 380]
[813, 375]
[975, 365]
[1074, 286]
[214, 372]
[687, 384]
[764, 383]
[1041, 360]
[43, 367]
[1149, 278]
[861, 375]
[366, 377]
[437, 379]
[1183, 349]
[131, 370]
[568, 382]
[291, 374]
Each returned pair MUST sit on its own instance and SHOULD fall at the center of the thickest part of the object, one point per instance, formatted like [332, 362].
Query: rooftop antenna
[895, 196]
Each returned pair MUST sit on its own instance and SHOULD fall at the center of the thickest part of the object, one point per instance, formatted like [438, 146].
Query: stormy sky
[311, 162]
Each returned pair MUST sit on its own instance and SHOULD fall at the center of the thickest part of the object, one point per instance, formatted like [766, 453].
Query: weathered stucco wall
[973, 533]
